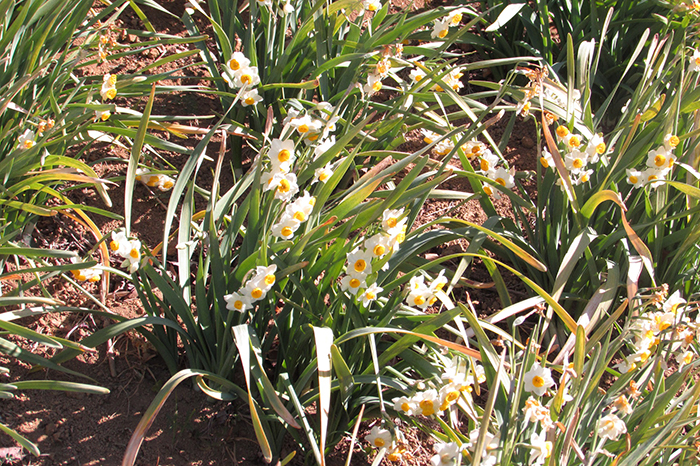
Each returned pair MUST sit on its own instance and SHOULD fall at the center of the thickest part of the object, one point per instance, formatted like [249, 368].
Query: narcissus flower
[378, 245]
[109, 87]
[352, 283]
[405, 405]
[306, 124]
[390, 218]
[488, 161]
[286, 227]
[446, 454]
[694, 61]
[282, 154]
[503, 177]
[236, 62]
[154, 180]
[89, 274]
[250, 97]
[546, 159]
[323, 174]
[538, 379]
[660, 158]
[455, 16]
[359, 262]
[635, 178]
[103, 115]
[371, 5]
[541, 448]
[611, 427]
[440, 28]
[379, 438]
[237, 302]
[26, 140]
[374, 84]
[371, 294]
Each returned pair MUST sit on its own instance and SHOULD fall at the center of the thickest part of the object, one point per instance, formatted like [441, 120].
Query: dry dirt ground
[192, 429]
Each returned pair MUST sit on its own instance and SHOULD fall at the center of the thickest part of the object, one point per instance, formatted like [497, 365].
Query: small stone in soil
[527, 142]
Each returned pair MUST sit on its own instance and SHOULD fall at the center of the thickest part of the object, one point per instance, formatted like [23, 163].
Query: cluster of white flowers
[253, 290]
[694, 61]
[375, 248]
[238, 73]
[441, 26]
[380, 437]
[381, 69]
[435, 401]
[471, 149]
[423, 295]
[26, 140]
[668, 323]
[488, 165]
[154, 180]
[659, 164]
[89, 274]
[128, 249]
[109, 86]
[577, 157]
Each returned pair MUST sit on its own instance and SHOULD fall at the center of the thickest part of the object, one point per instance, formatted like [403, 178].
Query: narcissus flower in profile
[379, 437]
[374, 84]
[541, 448]
[371, 294]
[440, 29]
[103, 115]
[323, 174]
[26, 140]
[154, 180]
[306, 124]
[694, 61]
[89, 274]
[286, 227]
[538, 379]
[611, 427]
[109, 87]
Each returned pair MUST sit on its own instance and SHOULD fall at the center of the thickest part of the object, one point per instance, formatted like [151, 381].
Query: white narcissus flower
[611, 427]
[371, 5]
[503, 177]
[538, 379]
[89, 274]
[439, 282]
[440, 28]
[378, 245]
[446, 454]
[236, 62]
[352, 283]
[488, 161]
[429, 137]
[281, 154]
[374, 84]
[306, 124]
[416, 75]
[534, 411]
[546, 160]
[323, 146]
[541, 448]
[359, 262]
[371, 294]
[265, 276]
[660, 158]
[455, 16]
[671, 141]
[246, 76]
[250, 97]
[390, 218]
[109, 87]
[286, 227]
[673, 302]
[323, 174]
[653, 177]
[575, 161]
[405, 405]
[428, 402]
[286, 186]
[422, 298]
[379, 438]
[286, 8]
[103, 115]
[237, 302]
[694, 61]
[635, 178]
[154, 180]
[302, 207]
[26, 140]
[622, 404]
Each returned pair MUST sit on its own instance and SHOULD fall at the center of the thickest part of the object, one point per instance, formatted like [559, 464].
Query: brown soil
[192, 429]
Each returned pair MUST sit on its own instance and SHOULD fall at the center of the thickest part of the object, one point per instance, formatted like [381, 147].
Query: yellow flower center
[419, 300]
[112, 80]
[418, 77]
[652, 178]
[382, 67]
[303, 128]
[442, 34]
[488, 190]
[574, 141]
[269, 279]
[134, 253]
[697, 61]
[105, 116]
[476, 150]
[354, 283]
[391, 222]
[233, 64]
[688, 358]
[238, 304]
[284, 155]
[633, 179]
[548, 448]
[284, 186]
[544, 162]
[600, 148]
[249, 101]
[578, 163]
[427, 407]
[167, 184]
[377, 86]
[456, 19]
[485, 165]
[379, 442]
[111, 93]
[673, 141]
[432, 301]
[452, 396]
[562, 131]
[153, 181]
[113, 245]
[584, 178]
[257, 293]
[94, 278]
[360, 265]
[501, 181]
[323, 176]
[405, 407]
[312, 136]
[299, 215]
[538, 381]
[286, 231]
[379, 250]
[400, 237]
[659, 160]
[246, 79]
